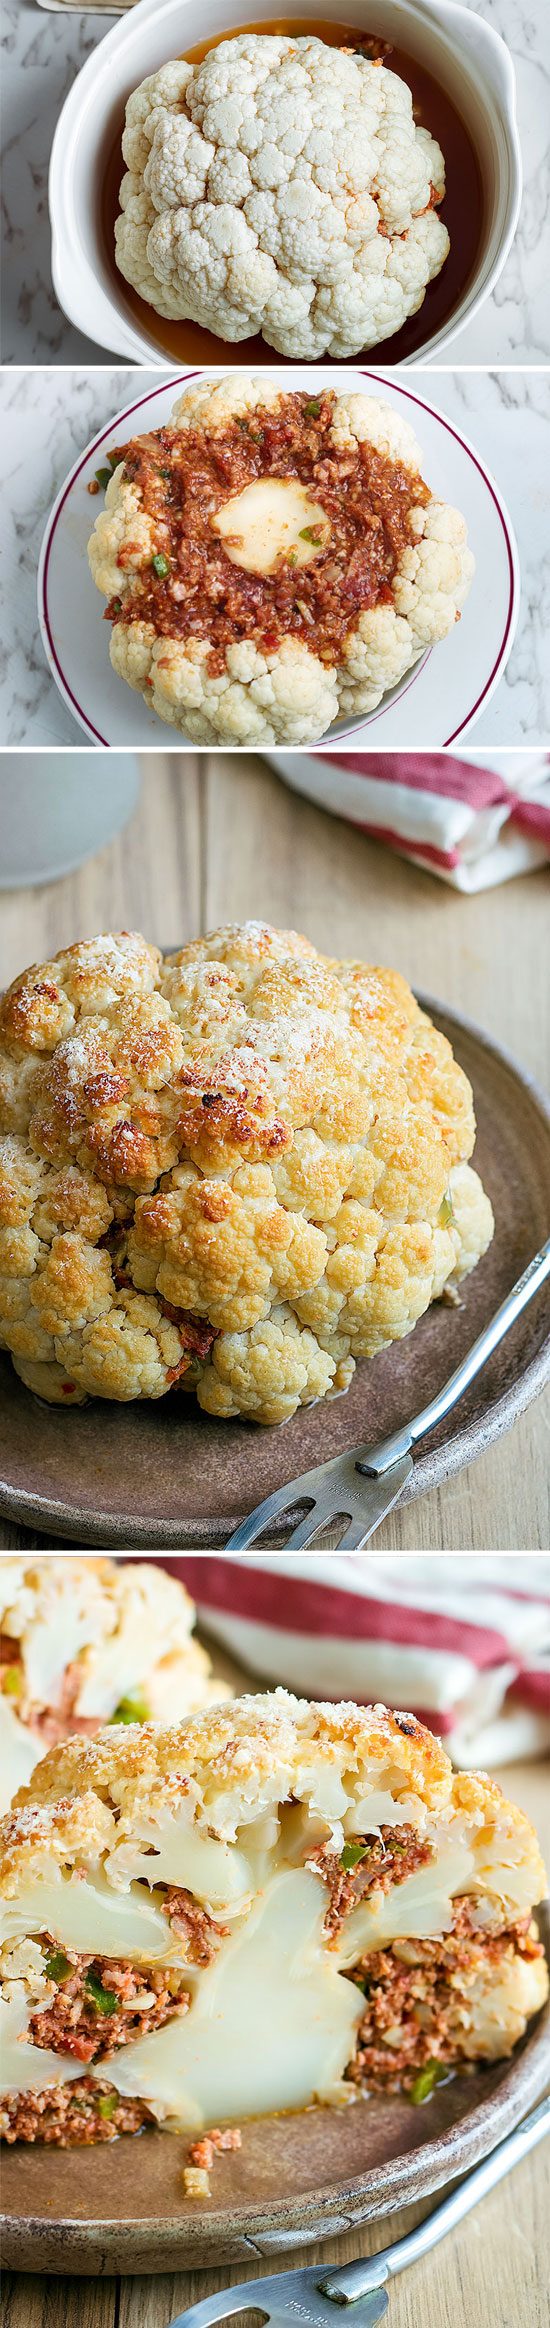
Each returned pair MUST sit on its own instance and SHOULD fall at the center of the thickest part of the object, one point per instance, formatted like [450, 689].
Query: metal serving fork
[309, 2296]
[361, 1486]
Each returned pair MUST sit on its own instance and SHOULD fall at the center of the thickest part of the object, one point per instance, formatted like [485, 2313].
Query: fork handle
[388, 1451]
[358, 2279]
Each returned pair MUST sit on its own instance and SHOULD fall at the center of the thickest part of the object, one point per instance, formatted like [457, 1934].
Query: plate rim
[397, 2182]
[339, 729]
[429, 1470]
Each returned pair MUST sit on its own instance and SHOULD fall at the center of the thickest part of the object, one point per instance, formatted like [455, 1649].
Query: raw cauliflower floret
[288, 692]
[281, 186]
[260, 699]
[238, 1169]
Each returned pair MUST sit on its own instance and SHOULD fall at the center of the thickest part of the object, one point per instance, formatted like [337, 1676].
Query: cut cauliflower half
[88, 1641]
[281, 186]
[237, 1169]
[264, 1905]
[274, 560]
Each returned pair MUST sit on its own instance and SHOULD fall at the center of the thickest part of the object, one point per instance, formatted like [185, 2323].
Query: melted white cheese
[271, 2024]
[19, 1751]
[91, 1917]
[266, 522]
[217, 1874]
[379, 1809]
[272, 2020]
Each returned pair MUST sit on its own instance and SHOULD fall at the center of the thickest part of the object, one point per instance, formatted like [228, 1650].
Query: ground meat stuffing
[386, 1859]
[98, 2004]
[196, 1336]
[53, 1723]
[203, 2153]
[84, 2112]
[196, 2181]
[413, 2014]
[192, 590]
[193, 1924]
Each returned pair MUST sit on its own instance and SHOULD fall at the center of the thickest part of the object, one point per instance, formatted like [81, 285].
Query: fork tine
[210, 2309]
[354, 1536]
[272, 1508]
[306, 1528]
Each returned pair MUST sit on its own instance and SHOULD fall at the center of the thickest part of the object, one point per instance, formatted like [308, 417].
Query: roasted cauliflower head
[281, 186]
[273, 561]
[238, 1168]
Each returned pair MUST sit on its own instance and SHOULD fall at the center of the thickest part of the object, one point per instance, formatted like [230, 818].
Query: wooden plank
[272, 856]
[149, 878]
[489, 2273]
[59, 2303]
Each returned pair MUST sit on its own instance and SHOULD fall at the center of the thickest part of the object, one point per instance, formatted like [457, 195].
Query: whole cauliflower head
[281, 186]
[272, 561]
[237, 1168]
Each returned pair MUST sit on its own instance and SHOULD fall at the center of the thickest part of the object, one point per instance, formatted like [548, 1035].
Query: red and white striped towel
[463, 1644]
[474, 822]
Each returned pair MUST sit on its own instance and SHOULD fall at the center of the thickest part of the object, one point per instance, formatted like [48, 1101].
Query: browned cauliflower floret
[238, 1169]
[274, 559]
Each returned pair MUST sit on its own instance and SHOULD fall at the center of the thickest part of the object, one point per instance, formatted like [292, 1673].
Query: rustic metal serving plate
[164, 1476]
[298, 2177]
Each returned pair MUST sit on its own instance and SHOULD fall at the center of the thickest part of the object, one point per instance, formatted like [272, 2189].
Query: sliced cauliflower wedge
[281, 186]
[272, 561]
[237, 1169]
[252, 1908]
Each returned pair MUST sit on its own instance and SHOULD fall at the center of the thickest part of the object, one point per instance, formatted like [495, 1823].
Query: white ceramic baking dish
[464, 54]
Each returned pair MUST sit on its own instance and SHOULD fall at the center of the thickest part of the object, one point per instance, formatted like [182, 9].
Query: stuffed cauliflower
[273, 561]
[237, 1169]
[265, 1905]
[281, 186]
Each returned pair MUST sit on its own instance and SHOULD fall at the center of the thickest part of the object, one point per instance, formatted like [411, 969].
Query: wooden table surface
[493, 2272]
[219, 838]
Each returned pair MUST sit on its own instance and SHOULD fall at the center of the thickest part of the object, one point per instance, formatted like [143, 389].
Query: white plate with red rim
[440, 699]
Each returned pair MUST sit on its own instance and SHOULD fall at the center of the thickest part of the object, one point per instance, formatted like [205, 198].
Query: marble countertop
[44, 52]
[49, 417]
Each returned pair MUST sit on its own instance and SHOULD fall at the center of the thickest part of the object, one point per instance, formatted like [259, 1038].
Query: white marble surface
[43, 53]
[48, 418]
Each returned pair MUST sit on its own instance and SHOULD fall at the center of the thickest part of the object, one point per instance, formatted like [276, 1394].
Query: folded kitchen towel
[464, 1644]
[474, 822]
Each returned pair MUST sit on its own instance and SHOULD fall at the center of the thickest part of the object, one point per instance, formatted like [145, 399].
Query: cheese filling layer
[273, 2019]
[273, 518]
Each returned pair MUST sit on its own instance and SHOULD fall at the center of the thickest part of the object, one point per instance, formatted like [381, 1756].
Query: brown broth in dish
[462, 212]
